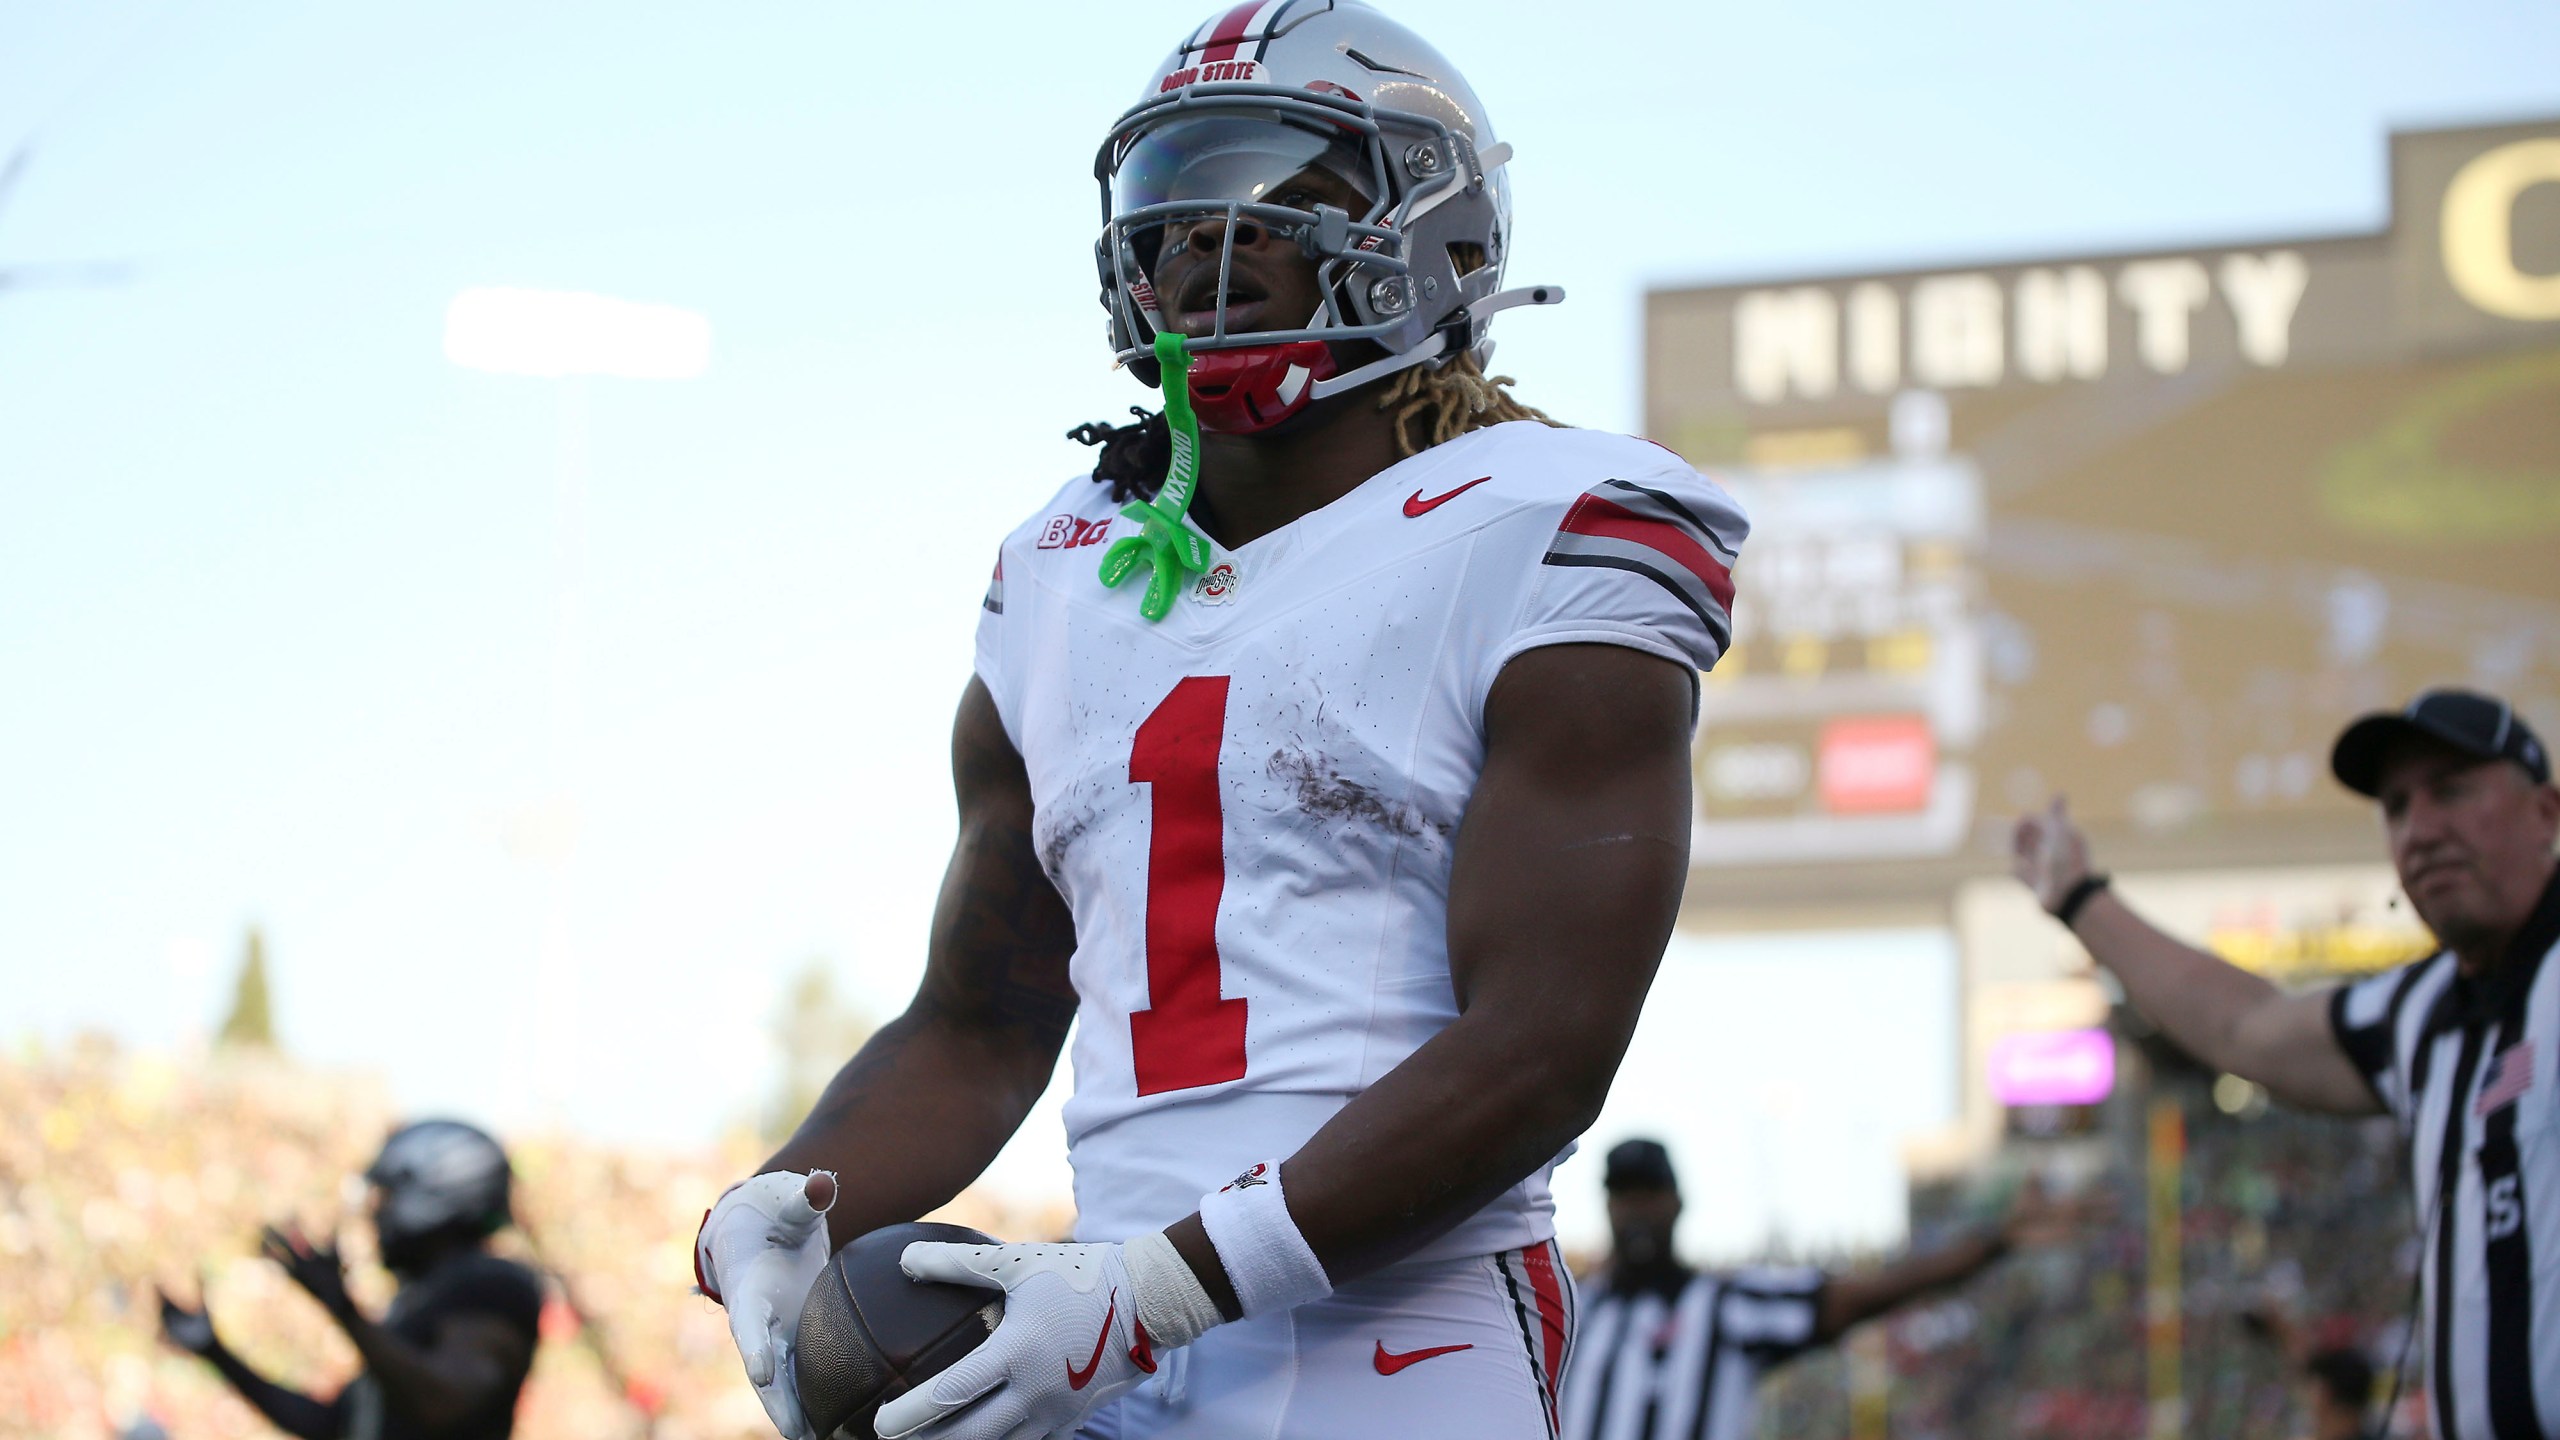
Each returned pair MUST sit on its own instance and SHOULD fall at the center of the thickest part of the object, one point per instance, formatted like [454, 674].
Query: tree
[816, 1030]
[251, 1024]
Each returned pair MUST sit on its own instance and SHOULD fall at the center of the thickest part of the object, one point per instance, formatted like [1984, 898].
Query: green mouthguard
[1168, 546]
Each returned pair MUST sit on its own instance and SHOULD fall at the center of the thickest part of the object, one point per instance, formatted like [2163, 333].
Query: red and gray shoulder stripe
[1620, 525]
[995, 587]
[1244, 32]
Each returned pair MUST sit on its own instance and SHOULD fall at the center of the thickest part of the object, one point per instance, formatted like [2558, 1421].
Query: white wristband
[1268, 1261]
[1172, 1304]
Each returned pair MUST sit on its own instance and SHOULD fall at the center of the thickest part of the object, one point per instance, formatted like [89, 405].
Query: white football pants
[1467, 1347]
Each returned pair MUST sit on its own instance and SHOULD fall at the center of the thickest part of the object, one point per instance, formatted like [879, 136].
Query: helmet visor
[1251, 157]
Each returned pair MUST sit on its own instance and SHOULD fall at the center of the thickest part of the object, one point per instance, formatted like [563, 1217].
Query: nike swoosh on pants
[1389, 1362]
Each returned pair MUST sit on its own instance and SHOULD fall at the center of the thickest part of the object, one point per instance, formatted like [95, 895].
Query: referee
[2459, 1048]
[1670, 1353]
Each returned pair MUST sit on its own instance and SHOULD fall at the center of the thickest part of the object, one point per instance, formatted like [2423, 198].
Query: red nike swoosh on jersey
[1415, 507]
[1389, 1363]
[1078, 1379]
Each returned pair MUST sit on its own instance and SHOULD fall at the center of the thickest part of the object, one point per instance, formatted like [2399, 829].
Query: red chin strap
[1247, 391]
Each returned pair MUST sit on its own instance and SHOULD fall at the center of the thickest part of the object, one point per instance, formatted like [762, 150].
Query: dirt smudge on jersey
[1056, 838]
[1064, 819]
[1321, 789]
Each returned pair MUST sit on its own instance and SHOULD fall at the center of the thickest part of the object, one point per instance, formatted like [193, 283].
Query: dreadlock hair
[1432, 405]
[1134, 457]
[1440, 404]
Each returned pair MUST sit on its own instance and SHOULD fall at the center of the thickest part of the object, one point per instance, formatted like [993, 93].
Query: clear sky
[278, 584]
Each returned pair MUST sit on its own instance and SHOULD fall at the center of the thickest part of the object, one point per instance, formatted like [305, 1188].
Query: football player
[1327, 763]
[451, 1356]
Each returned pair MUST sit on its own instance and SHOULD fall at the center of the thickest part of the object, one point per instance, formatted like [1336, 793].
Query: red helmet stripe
[1230, 31]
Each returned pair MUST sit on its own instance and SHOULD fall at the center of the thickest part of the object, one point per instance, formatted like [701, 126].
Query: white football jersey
[1249, 806]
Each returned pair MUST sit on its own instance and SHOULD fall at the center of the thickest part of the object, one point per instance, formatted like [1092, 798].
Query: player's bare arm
[1567, 876]
[2221, 1014]
[929, 1100]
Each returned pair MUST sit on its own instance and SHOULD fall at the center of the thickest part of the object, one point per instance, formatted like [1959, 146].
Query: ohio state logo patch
[1215, 72]
[1216, 585]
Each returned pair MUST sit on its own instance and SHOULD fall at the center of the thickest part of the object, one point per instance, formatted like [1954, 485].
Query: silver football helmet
[1262, 93]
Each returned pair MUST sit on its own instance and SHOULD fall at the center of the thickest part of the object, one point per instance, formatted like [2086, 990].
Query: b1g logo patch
[1216, 585]
[1066, 532]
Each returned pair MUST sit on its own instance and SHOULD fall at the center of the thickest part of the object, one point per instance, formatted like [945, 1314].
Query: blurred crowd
[2295, 1227]
[119, 1171]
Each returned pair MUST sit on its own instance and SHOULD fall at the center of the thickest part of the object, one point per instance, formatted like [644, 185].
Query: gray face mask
[1218, 175]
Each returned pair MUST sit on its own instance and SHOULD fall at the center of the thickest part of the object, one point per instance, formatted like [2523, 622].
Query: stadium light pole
[565, 337]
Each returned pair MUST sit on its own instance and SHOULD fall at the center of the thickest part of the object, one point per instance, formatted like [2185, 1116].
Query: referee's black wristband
[2077, 899]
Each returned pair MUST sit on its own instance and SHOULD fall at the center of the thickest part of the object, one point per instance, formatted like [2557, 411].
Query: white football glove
[1070, 1341]
[759, 1252]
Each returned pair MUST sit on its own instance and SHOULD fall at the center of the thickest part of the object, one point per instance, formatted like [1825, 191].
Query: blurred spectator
[2336, 1375]
[2340, 1389]
[118, 1170]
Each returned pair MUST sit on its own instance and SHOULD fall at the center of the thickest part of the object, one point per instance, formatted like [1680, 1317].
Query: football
[868, 1333]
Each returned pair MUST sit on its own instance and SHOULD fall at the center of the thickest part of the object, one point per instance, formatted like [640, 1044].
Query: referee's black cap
[1639, 1165]
[2475, 724]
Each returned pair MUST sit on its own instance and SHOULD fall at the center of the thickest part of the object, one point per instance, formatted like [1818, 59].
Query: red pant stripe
[1540, 1262]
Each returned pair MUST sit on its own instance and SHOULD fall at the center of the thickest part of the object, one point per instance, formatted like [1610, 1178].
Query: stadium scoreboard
[2145, 527]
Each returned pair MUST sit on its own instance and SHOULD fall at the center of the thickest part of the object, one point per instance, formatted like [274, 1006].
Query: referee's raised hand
[2048, 853]
[2225, 1017]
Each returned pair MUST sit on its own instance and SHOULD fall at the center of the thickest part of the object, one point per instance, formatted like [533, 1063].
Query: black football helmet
[440, 1180]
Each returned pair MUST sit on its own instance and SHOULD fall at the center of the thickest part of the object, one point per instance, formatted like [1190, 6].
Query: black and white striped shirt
[2467, 1066]
[1686, 1367]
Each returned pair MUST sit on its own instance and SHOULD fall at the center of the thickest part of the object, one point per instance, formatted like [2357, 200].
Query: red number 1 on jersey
[1187, 1036]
